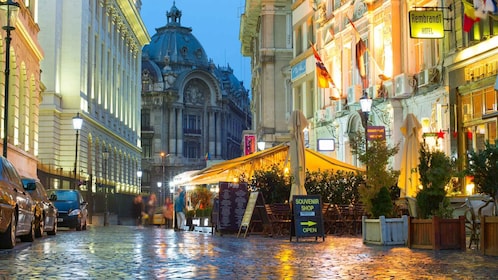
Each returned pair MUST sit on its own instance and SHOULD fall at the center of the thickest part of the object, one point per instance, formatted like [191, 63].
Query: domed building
[192, 110]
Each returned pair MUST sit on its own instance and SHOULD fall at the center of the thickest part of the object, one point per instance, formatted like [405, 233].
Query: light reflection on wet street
[128, 252]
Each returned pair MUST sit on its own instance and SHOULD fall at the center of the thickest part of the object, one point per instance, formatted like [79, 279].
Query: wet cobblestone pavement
[127, 252]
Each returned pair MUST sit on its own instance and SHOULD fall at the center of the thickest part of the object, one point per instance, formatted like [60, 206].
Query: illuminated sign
[426, 24]
[249, 144]
[376, 133]
[326, 144]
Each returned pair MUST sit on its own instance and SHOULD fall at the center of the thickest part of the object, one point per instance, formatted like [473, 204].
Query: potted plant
[200, 198]
[435, 229]
[483, 167]
[382, 227]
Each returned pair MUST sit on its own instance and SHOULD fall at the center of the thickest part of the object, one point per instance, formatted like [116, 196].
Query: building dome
[175, 44]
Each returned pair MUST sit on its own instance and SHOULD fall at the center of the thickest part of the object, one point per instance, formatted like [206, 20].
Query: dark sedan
[16, 208]
[72, 208]
[45, 211]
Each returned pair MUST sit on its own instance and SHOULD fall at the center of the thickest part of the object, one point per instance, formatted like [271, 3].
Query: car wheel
[8, 238]
[39, 227]
[54, 229]
[30, 237]
[78, 225]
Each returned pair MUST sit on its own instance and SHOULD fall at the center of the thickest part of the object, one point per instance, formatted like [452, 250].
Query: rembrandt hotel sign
[426, 24]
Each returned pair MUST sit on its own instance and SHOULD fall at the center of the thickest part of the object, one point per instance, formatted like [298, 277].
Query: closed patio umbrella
[297, 153]
[408, 180]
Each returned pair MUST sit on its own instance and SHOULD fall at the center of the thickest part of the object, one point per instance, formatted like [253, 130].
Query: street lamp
[77, 124]
[105, 156]
[9, 11]
[159, 185]
[161, 198]
[139, 175]
[366, 106]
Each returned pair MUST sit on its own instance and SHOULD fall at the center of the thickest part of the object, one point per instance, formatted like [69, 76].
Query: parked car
[72, 208]
[45, 211]
[16, 208]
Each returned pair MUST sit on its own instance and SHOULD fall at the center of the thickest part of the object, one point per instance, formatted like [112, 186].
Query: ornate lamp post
[77, 124]
[159, 187]
[139, 175]
[161, 198]
[105, 156]
[9, 11]
[366, 107]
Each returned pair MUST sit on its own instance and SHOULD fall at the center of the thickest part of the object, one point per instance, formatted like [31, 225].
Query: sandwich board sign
[307, 216]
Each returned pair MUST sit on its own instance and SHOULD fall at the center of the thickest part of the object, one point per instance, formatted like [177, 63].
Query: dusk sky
[215, 23]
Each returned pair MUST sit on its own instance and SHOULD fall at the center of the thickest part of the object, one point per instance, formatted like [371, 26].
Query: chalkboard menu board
[307, 216]
[232, 205]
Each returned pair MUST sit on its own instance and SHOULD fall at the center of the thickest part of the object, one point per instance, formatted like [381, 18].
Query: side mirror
[53, 197]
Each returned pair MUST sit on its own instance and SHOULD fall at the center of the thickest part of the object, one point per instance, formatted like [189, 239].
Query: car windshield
[66, 195]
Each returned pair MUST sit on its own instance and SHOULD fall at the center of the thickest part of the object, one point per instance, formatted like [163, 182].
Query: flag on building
[322, 75]
[207, 157]
[469, 17]
[483, 7]
[361, 49]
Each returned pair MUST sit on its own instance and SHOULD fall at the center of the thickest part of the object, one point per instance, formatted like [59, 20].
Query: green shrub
[483, 166]
[382, 204]
[436, 170]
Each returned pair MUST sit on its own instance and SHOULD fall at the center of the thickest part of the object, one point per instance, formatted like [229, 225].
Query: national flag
[322, 75]
[469, 17]
[361, 49]
[207, 156]
[491, 6]
[483, 7]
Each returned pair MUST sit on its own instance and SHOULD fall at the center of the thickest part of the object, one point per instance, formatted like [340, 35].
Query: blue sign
[298, 70]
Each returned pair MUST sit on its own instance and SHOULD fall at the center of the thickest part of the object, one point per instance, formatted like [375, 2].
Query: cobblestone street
[128, 252]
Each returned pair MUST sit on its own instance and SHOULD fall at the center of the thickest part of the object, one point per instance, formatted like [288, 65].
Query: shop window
[477, 105]
[466, 108]
[492, 132]
[490, 100]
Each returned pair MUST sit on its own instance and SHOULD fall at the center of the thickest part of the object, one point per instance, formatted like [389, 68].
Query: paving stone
[128, 252]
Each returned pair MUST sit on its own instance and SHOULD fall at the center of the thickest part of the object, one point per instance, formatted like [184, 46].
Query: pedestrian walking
[180, 208]
[151, 207]
[168, 212]
[138, 210]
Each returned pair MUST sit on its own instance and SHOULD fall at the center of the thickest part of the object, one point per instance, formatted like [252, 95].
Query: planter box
[385, 231]
[437, 233]
[489, 235]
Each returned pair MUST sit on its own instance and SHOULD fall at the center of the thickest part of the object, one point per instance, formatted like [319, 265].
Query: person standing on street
[138, 210]
[151, 207]
[168, 212]
[180, 208]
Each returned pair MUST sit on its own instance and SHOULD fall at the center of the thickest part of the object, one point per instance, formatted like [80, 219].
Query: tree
[483, 166]
[436, 170]
[378, 173]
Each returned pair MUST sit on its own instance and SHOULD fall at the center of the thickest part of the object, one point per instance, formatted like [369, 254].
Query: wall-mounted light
[261, 145]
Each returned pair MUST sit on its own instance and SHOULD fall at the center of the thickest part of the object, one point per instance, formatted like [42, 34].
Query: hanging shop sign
[376, 133]
[426, 24]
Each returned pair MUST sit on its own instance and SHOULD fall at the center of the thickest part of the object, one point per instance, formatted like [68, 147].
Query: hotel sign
[426, 24]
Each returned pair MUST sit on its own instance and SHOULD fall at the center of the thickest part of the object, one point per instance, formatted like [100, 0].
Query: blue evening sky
[215, 23]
